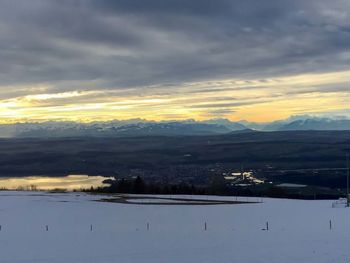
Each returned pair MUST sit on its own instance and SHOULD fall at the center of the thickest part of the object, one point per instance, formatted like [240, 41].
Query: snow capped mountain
[140, 127]
[302, 122]
[317, 124]
[115, 128]
[233, 126]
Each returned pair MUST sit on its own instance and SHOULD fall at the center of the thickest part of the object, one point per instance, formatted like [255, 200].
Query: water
[70, 182]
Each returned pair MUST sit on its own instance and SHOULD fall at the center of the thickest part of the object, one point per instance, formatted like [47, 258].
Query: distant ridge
[110, 129]
[244, 131]
[140, 127]
[317, 124]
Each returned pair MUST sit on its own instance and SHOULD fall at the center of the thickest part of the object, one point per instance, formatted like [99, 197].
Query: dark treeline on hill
[139, 186]
[216, 187]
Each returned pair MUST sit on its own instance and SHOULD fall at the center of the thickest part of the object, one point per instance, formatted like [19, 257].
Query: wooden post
[147, 226]
[205, 226]
[330, 224]
[47, 228]
[267, 225]
[91, 228]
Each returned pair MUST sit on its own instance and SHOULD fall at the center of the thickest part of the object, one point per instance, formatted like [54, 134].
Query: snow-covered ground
[298, 231]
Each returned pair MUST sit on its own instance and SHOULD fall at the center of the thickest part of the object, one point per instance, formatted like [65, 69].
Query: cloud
[135, 50]
[219, 113]
[150, 42]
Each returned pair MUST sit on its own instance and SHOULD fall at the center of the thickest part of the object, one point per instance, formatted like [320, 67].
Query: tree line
[216, 187]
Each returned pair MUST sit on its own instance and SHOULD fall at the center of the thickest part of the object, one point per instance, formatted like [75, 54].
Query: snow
[298, 231]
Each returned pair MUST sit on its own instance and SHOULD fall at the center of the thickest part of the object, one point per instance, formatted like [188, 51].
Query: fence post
[205, 226]
[330, 224]
[91, 228]
[267, 225]
[47, 228]
[147, 226]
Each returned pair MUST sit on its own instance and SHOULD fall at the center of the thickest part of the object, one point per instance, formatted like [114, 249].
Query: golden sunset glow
[235, 99]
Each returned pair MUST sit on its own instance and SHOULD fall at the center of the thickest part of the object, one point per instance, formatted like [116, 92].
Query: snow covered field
[298, 231]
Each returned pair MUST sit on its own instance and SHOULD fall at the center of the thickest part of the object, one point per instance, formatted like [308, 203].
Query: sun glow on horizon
[235, 99]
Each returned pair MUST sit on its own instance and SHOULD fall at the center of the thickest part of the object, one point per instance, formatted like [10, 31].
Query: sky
[98, 60]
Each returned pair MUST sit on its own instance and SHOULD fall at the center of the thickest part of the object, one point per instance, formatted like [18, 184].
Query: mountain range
[140, 127]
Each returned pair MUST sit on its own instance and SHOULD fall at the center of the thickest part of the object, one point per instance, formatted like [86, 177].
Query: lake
[70, 182]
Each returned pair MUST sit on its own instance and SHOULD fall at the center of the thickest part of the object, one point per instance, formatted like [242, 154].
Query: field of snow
[298, 231]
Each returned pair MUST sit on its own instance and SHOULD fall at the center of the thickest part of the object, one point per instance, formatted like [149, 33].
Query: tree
[139, 186]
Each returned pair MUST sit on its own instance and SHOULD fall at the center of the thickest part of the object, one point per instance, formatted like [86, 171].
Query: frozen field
[298, 231]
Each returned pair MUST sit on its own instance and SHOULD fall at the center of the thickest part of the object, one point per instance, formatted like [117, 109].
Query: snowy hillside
[298, 231]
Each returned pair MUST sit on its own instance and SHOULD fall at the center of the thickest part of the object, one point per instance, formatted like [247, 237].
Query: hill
[173, 156]
[74, 228]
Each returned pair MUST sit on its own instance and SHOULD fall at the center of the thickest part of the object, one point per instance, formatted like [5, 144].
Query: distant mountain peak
[318, 124]
[141, 127]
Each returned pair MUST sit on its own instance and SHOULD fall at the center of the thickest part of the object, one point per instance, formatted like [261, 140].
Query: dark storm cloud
[89, 44]
[196, 7]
